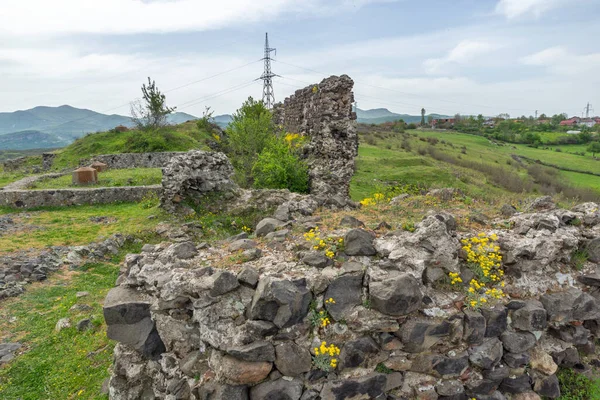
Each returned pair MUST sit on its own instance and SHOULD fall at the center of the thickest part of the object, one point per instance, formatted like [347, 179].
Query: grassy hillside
[181, 137]
[472, 163]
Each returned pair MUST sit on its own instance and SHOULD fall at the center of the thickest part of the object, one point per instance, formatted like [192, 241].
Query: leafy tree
[152, 112]
[594, 148]
[248, 134]
[422, 116]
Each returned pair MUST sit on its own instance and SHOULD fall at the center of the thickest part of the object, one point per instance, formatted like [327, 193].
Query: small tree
[422, 117]
[152, 112]
[594, 148]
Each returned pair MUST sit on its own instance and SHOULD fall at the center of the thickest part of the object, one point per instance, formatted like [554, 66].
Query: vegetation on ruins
[151, 111]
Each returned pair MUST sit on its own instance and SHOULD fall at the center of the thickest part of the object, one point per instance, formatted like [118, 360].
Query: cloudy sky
[459, 56]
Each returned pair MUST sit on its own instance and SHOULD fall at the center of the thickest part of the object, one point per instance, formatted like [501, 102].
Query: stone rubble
[189, 330]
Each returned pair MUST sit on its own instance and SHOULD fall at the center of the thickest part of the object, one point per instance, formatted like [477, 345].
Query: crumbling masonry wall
[324, 113]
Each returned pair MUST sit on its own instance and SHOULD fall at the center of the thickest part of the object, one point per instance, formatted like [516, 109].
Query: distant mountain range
[52, 127]
[47, 127]
[381, 115]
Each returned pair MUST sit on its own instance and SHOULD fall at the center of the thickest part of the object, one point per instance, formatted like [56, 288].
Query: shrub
[279, 167]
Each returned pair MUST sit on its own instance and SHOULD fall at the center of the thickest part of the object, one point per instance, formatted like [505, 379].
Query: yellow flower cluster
[330, 245]
[330, 301]
[484, 259]
[454, 278]
[246, 229]
[325, 356]
[216, 137]
[293, 139]
[315, 89]
[376, 199]
[324, 319]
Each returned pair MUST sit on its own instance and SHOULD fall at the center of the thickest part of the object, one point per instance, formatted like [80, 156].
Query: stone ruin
[190, 327]
[323, 112]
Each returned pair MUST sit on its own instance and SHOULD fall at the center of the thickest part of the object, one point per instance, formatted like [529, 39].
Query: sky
[459, 56]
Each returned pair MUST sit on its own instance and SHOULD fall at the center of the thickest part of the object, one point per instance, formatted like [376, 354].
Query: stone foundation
[191, 327]
[134, 160]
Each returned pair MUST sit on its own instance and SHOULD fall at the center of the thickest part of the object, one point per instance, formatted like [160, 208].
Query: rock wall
[69, 197]
[190, 326]
[323, 112]
[195, 174]
[133, 160]
[14, 164]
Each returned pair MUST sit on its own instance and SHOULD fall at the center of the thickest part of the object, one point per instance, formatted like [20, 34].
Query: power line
[267, 76]
[406, 93]
[217, 94]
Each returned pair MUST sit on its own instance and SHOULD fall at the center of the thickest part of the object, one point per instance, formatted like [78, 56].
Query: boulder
[278, 389]
[184, 251]
[364, 388]
[256, 351]
[292, 360]
[351, 222]
[418, 335]
[516, 384]
[531, 317]
[593, 250]
[399, 295]
[316, 259]
[495, 320]
[267, 225]
[570, 305]
[356, 353]
[543, 362]
[280, 301]
[346, 291]
[474, 327]
[518, 342]
[487, 354]
[359, 242]
[238, 372]
[547, 386]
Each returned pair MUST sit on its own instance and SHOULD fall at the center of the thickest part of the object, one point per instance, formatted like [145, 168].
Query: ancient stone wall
[324, 113]
[194, 174]
[192, 326]
[133, 160]
[69, 197]
[14, 164]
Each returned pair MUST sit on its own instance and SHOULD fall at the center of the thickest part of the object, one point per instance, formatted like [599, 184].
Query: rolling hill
[42, 126]
[381, 115]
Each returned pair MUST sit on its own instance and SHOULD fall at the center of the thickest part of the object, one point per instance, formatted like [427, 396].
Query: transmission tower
[267, 76]
[587, 109]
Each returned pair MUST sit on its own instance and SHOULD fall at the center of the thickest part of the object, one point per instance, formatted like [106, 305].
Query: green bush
[574, 386]
[279, 167]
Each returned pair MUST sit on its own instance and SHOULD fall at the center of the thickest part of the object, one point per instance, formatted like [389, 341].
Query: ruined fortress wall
[323, 112]
[70, 197]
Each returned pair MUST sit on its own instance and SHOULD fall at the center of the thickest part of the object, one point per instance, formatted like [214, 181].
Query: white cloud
[36, 17]
[464, 52]
[561, 61]
[517, 8]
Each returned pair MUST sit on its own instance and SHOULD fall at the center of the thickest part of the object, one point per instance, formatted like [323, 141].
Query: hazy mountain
[42, 126]
[381, 115]
[26, 140]
[222, 120]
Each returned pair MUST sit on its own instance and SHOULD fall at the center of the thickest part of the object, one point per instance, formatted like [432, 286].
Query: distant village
[573, 122]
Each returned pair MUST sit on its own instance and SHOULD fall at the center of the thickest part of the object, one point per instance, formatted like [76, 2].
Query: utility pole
[267, 76]
[536, 111]
[587, 109]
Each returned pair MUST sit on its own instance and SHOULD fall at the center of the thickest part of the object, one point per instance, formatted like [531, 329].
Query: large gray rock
[531, 317]
[280, 301]
[486, 355]
[127, 314]
[364, 388]
[593, 250]
[399, 295]
[316, 259]
[518, 342]
[474, 327]
[267, 225]
[292, 360]
[356, 353]
[280, 389]
[570, 305]
[359, 242]
[346, 291]
[418, 335]
[256, 351]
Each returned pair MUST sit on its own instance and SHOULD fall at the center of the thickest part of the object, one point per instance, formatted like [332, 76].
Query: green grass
[9, 177]
[72, 226]
[115, 177]
[181, 137]
[574, 386]
[66, 364]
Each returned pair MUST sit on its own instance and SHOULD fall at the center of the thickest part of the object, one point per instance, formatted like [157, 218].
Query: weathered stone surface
[256, 351]
[316, 259]
[84, 325]
[351, 222]
[194, 173]
[282, 302]
[577, 335]
[242, 244]
[267, 225]
[486, 355]
[531, 317]
[518, 384]
[365, 388]
[418, 335]
[278, 389]
[359, 242]
[223, 282]
[508, 210]
[570, 305]
[324, 115]
[516, 360]
[397, 296]
[346, 291]
[495, 320]
[184, 251]
[292, 360]
[127, 314]
[239, 372]
[593, 250]
[474, 327]
[543, 362]
[248, 276]
[356, 353]
[547, 386]
[518, 342]
[449, 388]
[210, 391]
